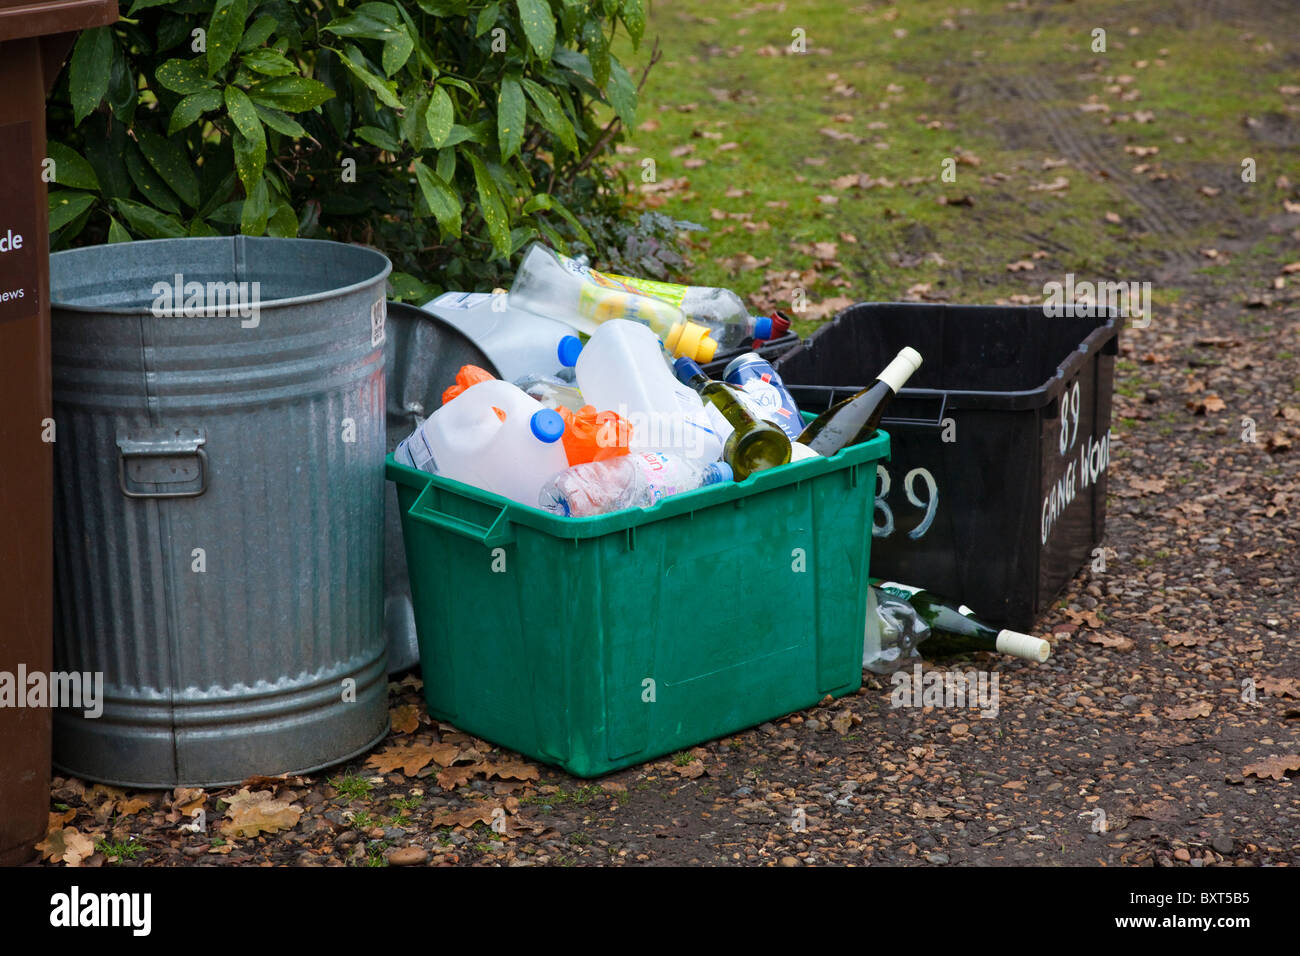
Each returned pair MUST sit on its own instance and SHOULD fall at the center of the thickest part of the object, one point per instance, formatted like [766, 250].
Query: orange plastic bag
[467, 376]
[590, 435]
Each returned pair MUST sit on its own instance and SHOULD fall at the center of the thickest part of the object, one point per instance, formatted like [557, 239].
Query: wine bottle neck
[898, 371]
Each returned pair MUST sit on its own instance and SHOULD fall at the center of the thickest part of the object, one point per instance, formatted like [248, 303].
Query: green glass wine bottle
[753, 444]
[954, 628]
[856, 418]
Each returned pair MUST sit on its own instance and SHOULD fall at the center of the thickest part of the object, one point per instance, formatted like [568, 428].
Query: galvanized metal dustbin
[219, 506]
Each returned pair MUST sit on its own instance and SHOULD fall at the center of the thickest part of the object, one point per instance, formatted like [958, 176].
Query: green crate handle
[499, 532]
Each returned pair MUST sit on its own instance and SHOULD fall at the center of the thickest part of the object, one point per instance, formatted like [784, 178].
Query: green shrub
[447, 133]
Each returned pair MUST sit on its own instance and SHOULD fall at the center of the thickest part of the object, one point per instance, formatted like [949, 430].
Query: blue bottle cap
[720, 472]
[569, 348]
[763, 327]
[686, 369]
[547, 425]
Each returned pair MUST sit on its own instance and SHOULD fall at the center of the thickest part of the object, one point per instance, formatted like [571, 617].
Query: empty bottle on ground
[948, 627]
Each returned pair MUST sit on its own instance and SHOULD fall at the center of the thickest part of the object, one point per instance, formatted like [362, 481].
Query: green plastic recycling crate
[597, 643]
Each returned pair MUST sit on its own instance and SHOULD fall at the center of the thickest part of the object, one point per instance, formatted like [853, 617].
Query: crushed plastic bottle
[552, 392]
[630, 481]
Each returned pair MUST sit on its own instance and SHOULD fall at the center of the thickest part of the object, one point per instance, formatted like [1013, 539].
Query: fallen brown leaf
[1148, 486]
[404, 719]
[1280, 686]
[67, 846]
[1089, 618]
[1122, 644]
[513, 770]
[1188, 640]
[453, 777]
[1206, 404]
[132, 805]
[1275, 768]
[691, 770]
[250, 813]
[57, 820]
[411, 758]
[1199, 708]
[466, 818]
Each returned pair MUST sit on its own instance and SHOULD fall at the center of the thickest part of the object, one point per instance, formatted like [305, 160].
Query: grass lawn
[966, 153]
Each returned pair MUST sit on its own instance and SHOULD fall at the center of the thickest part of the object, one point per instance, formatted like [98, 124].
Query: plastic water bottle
[556, 286]
[622, 369]
[630, 481]
[513, 457]
[760, 382]
[552, 392]
[550, 284]
[720, 310]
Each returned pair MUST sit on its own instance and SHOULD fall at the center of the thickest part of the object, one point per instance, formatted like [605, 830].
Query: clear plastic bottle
[549, 284]
[551, 391]
[637, 480]
[721, 311]
[622, 369]
[754, 376]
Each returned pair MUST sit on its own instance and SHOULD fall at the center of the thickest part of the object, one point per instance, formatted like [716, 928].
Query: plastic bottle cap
[723, 471]
[691, 340]
[567, 352]
[763, 327]
[686, 369]
[780, 325]
[547, 425]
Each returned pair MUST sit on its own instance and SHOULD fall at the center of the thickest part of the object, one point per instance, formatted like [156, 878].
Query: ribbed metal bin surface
[219, 507]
